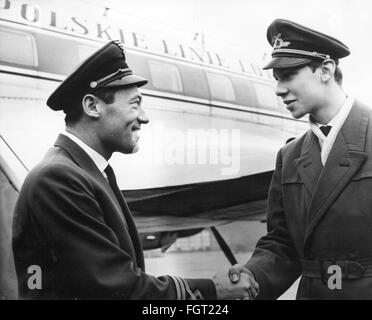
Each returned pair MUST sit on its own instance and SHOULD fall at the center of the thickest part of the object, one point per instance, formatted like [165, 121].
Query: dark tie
[325, 129]
[113, 184]
[127, 215]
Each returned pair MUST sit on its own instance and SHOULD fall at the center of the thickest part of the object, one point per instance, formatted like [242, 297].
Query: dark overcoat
[69, 223]
[320, 216]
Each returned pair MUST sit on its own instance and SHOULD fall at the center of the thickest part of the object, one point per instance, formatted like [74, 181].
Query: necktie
[325, 129]
[127, 215]
[113, 184]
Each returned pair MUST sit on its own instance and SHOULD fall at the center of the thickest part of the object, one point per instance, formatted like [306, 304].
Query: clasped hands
[236, 283]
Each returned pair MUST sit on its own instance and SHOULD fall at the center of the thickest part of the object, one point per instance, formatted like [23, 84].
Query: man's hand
[235, 273]
[243, 287]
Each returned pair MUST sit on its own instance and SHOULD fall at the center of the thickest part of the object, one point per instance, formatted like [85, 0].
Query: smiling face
[301, 89]
[121, 120]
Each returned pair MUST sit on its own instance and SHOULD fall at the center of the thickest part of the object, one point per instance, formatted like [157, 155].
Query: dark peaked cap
[295, 45]
[104, 68]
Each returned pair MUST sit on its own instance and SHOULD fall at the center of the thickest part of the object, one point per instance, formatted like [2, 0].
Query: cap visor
[286, 62]
[128, 81]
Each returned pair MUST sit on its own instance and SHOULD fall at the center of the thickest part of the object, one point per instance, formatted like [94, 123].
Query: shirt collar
[335, 121]
[98, 160]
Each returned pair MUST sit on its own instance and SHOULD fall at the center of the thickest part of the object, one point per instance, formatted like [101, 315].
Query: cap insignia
[279, 43]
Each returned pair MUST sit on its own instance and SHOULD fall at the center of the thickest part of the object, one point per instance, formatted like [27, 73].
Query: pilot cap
[295, 45]
[104, 68]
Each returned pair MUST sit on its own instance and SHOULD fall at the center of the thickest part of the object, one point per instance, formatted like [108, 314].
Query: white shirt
[98, 160]
[326, 142]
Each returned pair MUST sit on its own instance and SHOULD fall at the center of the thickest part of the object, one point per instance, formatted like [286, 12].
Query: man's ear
[328, 69]
[91, 106]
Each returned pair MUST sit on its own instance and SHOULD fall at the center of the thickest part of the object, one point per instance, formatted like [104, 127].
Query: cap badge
[279, 43]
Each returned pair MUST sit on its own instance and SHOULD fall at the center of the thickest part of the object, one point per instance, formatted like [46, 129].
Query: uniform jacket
[318, 213]
[70, 224]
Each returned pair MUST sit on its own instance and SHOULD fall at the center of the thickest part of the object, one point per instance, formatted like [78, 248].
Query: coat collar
[345, 158]
[82, 159]
[309, 164]
[98, 159]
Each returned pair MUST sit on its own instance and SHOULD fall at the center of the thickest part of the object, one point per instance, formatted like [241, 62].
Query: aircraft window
[165, 76]
[221, 87]
[57, 56]
[140, 67]
[85, 51]
[17, 47]
[194, 82]
[244, 91]
[266, 96]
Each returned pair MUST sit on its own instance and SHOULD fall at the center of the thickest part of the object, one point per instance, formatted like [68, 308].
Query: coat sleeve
[84, 255]
[275, 263]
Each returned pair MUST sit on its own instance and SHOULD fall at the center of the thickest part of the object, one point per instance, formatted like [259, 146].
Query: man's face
[121, 121]
[300, 89]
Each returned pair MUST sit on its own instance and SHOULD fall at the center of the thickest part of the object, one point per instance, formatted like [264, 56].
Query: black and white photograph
[185, 150]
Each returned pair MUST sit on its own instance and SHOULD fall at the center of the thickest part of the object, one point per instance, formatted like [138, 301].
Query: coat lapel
[82, 159]
[134, 236]
[309, 164]
[85, 162]
[346, 157]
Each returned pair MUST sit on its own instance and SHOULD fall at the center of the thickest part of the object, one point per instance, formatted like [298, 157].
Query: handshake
[237, 283]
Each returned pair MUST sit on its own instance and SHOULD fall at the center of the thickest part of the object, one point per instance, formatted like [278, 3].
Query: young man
[319, 205]
[72, 224]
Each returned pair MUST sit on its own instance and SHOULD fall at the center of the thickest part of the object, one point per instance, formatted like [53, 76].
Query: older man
[72, 224]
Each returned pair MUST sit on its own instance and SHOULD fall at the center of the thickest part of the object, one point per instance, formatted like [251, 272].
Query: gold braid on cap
[121, 72]
[302, 52]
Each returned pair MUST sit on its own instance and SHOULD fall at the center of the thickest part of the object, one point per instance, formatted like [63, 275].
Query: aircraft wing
[164, 214]
[200, 205]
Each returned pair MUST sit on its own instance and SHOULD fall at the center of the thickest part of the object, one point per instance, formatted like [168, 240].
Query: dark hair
[106, 94]
[73, 114]
[337, 75]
